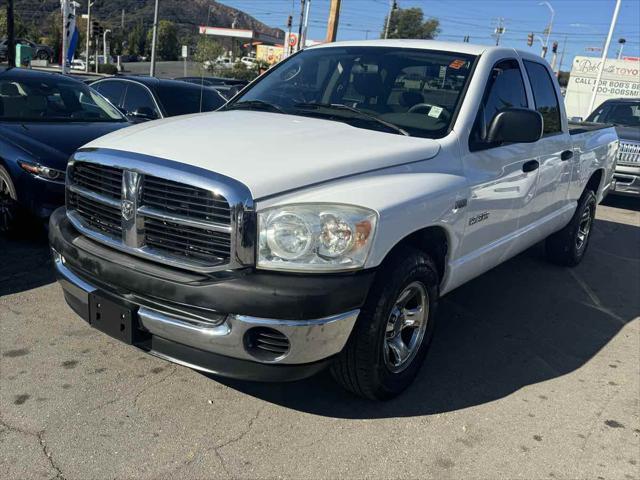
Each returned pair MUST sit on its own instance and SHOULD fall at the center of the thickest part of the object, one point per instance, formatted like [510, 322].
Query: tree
[207, 51]
[137, 40]
[20, 29]
[168, 47]
[410, 23]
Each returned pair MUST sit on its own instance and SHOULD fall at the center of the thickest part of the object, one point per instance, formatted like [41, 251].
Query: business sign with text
[620, 78]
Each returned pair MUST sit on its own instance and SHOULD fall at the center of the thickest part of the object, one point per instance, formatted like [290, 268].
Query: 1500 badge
[478, 218]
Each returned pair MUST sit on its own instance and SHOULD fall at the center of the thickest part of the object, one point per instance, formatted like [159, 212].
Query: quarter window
[544, 95]
[505, 89]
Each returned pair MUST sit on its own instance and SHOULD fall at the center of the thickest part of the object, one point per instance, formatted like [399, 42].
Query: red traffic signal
[554, 47]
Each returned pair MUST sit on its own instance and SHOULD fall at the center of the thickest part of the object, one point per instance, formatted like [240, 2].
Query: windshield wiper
[255, 105]
[358, 113]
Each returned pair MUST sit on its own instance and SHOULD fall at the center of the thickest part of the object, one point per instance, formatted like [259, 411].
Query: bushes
[108, 68]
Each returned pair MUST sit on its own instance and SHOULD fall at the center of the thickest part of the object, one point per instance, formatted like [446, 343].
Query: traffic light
[93, 28]
[466, 39]
[530, 40]
[554, 47]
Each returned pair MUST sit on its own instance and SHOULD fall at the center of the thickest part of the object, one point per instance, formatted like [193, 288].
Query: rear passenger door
[553, 153]
[502, 177]
[138, 99]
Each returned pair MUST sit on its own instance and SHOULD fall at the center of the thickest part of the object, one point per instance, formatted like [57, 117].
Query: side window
[544, 95]
[139, 99]
[112, 90]
[505, 89]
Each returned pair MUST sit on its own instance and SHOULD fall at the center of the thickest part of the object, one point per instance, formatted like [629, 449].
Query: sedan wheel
[8, 202]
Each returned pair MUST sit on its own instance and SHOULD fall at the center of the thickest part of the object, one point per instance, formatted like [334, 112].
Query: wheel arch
[595, 181]
[434, 240]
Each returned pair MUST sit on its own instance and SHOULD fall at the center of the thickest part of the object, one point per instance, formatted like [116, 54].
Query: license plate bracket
[112, 318]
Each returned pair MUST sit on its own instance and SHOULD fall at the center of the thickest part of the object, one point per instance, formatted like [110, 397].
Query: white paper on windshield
[435, 112]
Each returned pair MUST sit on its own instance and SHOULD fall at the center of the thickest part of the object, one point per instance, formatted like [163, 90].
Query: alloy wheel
[406, 326]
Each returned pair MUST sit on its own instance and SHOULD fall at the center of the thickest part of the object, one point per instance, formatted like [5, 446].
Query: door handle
[530, 166]
[566, 155]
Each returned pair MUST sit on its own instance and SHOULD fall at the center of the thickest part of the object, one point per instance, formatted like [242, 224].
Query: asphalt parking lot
[534, 373]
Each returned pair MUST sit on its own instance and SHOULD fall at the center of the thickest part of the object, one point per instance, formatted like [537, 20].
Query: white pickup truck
[319, 216]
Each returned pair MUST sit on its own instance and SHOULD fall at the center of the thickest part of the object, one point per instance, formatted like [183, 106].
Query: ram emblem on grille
[127, 209]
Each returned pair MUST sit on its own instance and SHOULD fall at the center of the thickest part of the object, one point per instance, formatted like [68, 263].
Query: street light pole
[549, 27]
[605, 50]
[154, 41]
[392, 7]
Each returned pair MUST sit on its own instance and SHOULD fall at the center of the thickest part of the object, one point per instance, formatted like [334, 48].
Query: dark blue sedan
[44, 118]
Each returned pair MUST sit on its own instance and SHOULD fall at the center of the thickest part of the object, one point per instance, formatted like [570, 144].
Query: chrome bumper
[627, 180]
[310, 340]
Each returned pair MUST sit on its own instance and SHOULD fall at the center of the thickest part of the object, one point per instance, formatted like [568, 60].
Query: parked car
[250, 62]
[40, 52]
[148, 98]
[44, 118]
[624, 114]
[221, 62]
[78, 64]
[317, 219]
[227, 89]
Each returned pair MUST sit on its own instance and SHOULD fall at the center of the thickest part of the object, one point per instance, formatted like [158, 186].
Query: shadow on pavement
[25, 261]
[524, 322]
[622, 201]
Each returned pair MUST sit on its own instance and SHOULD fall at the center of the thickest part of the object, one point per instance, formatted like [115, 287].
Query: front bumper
[627, 180]
[176, 323]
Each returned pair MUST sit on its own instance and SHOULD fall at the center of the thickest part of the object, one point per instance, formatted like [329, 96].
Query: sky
[583, 23]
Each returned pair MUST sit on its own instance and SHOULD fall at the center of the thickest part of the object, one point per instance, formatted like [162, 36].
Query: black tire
[363, 367]
[42, 55]
[9, 208]
[568, 246]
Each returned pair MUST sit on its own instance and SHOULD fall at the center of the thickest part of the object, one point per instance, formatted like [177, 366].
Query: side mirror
[515, 125]
[576, 119]
[144, 113]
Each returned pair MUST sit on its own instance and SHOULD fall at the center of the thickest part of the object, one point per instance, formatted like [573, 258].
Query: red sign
[293, 40]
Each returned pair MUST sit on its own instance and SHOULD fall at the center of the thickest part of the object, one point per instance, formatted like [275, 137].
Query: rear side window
[113, 90]
[505, 89]
[544, 94]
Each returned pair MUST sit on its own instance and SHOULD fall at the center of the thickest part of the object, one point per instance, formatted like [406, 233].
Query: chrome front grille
[629, 153]
[149, 213]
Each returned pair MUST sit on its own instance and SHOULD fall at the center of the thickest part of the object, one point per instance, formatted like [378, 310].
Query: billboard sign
[620, 78]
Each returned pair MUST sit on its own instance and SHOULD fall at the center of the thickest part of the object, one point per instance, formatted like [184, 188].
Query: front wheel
[568, 246]
[391, 337]
[9, 207]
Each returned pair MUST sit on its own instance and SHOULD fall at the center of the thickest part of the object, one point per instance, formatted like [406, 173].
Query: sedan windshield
[55, 99]
[396, 90]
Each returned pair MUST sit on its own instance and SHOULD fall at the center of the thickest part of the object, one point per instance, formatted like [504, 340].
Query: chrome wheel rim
[406, 326]
[584, 227]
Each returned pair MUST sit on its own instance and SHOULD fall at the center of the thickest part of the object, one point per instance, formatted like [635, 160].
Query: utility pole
[499, 31]
[97, 54]
[564, 47]
[393, 5]
[88, 42]
[154, 41]
[301, 26]
[605, 50]
[65, 19]
[122, 20]
[104, 44]
[11, 39]
[548, 29]
[334, 17]
[303, 41]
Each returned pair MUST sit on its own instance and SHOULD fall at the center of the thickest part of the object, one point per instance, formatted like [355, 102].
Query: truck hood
[269, 152]
[628, 133]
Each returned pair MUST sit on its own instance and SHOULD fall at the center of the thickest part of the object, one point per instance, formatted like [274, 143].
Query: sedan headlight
[42, 171]
[315, 237]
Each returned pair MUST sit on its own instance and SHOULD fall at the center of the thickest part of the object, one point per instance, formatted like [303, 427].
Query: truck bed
[581, 127]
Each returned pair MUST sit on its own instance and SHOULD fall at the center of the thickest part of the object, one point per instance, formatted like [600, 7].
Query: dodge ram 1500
[319, 216]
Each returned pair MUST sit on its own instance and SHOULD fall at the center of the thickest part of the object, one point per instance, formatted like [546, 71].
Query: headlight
[315, 237]
[42, 171]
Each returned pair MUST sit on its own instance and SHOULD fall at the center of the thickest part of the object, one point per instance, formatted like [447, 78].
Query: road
[534, 373]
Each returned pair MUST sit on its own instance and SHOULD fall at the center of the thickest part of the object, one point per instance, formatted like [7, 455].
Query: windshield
[55, 99]
[626, 114]
[415, 91]
[189, 100]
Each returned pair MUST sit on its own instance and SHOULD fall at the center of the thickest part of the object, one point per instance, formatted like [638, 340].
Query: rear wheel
[42, 55]
[391, 337]
[8, 202]
[568, 246]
